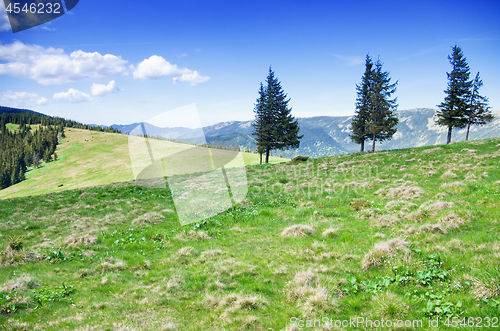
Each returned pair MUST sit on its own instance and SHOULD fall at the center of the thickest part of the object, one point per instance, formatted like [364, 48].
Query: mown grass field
[404, 235]
[86, 159]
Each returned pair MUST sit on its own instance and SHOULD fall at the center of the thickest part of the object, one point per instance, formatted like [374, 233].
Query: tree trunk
[362, 145]
[267, 156]
[448, 140]
[260, 158]
[373, 145]
[467, 135]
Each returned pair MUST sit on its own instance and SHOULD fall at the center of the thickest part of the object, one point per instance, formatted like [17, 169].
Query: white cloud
[4, 19]
[102, 90]
[192, 77]
[157, 67]
[73, 96]
[351, 60]
[50, 66]
[22, 99]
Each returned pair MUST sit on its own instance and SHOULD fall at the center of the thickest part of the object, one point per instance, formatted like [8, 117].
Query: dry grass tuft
[381, 250]
[449, 174]
[14, 257]
[22, 283]
[199, 235]
[497, 183]
[440, 205]
[468, 150]
[430, 173]
[311, 297]
[456, 244]
[389, 306]
[298, 230]
[306, 278]
[134, 212]
[110, 264]
[453, 184]
[330, 232]
[231, 268]
[385, 221]
[209, 255]
[174, 283]
[152, 217]
[432, 150]
[233, 302]
[84, 240]
[392, 204]
[406, 192]
[432, 228]
[452, 220]
[357, 205]
[486, 286]
[317, 303]
[186, 252]
[212, 253]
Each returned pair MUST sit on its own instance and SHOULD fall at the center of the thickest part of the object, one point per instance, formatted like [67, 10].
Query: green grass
[12, 127]
[86, 159]
[408, 235]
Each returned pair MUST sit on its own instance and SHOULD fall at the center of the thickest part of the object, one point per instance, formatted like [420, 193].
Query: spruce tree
[382, 120]
[479, 112]
[262, 124]
[275, 127]
[452, 111]
[363, 106]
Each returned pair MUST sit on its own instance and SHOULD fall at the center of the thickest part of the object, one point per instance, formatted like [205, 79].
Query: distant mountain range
[323, 135]
[329, 135]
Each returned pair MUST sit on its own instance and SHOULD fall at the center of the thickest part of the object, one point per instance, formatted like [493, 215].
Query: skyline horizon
[496, 112]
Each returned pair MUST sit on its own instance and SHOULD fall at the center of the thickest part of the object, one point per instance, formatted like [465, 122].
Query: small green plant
[401, 275]
[492, 302]
[372, 286]
[5, 306]
[45, 295]
[437, 305]
[353, 286]
[55, 256]
[433, 270]
[16, 242]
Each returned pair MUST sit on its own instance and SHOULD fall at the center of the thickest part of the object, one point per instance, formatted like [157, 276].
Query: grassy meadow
[402, 235]
[86, 159]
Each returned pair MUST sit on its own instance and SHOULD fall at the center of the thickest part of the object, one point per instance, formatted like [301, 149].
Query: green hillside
[85, 159]
[406, 236]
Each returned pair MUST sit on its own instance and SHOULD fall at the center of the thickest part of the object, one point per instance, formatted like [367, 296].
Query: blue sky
[126, 61]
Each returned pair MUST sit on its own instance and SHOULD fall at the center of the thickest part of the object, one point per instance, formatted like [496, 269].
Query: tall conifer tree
[382, 119]
[363, 106]
[275, 127]
[479, 112]
[452, 111]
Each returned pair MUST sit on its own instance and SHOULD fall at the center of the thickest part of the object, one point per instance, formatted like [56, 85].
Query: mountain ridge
[329, 135]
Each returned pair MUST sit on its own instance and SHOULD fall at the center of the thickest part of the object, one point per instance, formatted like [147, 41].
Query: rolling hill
[88, 158]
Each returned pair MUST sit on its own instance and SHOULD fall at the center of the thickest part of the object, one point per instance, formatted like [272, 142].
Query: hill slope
[86, 158]
[406, 235]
